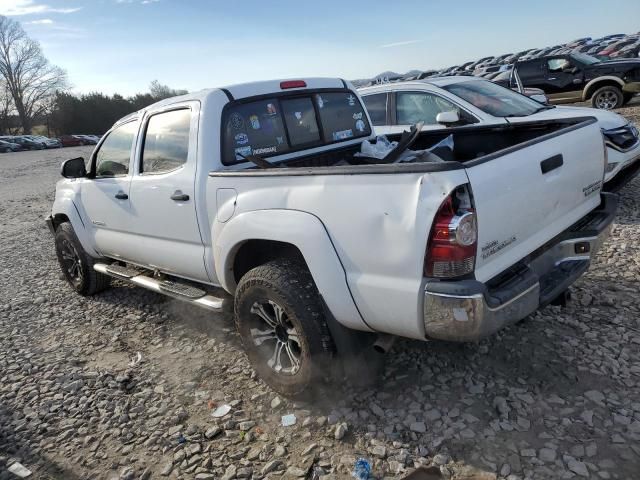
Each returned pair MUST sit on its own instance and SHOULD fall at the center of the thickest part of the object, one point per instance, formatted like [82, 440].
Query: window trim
[309, 93]
[94, 156]
[143, 141]
[387, 111]
[457, 104]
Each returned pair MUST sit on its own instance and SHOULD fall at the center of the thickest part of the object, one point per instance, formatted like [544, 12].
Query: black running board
[171, 288]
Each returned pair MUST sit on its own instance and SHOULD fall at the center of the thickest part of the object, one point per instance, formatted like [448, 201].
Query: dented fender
[309, 235]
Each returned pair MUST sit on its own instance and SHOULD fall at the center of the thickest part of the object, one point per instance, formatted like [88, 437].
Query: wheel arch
[255, 237]
[596, 83]
[65, 210]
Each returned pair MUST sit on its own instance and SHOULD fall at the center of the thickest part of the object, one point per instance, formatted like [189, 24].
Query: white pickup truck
[257, 191]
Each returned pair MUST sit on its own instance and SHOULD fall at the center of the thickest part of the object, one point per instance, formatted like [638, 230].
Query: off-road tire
[607, 95]
[290, 285]
[90, 282]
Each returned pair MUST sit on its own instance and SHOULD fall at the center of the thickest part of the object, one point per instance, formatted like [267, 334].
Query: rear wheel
[280, 318]
[607, 98]
[76, 264]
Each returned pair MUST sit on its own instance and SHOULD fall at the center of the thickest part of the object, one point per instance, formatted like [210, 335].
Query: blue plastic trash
[361, 469]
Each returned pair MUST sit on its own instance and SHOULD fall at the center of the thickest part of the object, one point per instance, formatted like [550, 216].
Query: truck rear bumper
[469, 310]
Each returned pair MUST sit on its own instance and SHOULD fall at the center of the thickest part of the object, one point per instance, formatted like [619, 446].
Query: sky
[120, 46]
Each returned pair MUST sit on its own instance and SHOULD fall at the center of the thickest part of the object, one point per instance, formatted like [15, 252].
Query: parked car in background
[45, 141]
[393, 108]
[86, 139]
[71, 141]
[7, 146]
[26, 143]
[578, 77]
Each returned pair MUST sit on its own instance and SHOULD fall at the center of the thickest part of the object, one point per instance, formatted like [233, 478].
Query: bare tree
[6, 107]
[160, 92]
[32, 81]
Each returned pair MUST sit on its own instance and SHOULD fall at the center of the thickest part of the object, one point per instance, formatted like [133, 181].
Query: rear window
[287, 123]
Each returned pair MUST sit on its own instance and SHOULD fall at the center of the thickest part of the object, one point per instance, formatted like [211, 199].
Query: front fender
[309, 235]
[64, 205]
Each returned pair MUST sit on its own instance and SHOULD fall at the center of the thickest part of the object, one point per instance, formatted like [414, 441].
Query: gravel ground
[556, 396]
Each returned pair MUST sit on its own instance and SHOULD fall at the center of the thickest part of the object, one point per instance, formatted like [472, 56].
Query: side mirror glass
[73, 168]
[447, 118]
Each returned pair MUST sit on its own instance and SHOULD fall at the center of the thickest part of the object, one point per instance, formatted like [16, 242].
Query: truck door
[563, 80]
[532, 74]
[162, 194]
[104, 197]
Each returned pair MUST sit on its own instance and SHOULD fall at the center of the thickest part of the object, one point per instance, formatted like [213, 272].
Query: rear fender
[306, 232]
[594, 84]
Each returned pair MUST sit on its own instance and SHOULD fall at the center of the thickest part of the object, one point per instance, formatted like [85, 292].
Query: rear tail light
[453, 241]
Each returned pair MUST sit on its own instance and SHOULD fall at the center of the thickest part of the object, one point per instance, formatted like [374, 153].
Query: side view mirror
[73, 168]
[538, 97]
[447, 118]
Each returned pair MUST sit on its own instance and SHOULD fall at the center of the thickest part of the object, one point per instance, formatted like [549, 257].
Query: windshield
[494, 99]
[584, 58]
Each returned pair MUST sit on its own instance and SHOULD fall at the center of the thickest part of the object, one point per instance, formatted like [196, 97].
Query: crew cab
[394, 107]
[259, 193]
[578, 77]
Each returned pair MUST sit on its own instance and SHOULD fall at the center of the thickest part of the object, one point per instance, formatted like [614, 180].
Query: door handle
[178, 196]
[121, 195]
[551, 78]
[551, 163]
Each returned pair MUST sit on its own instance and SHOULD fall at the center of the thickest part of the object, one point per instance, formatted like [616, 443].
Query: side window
[528, 69]
[377, 107]
[166, 142]
[412, 107]
[112, 159]
[556, 65]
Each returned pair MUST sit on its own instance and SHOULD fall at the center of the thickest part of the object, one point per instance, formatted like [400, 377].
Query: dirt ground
[556, 396]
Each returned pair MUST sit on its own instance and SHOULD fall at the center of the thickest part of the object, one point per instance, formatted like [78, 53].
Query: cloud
[149, 2]
[29, 7]
[399, 44]
[44, 21]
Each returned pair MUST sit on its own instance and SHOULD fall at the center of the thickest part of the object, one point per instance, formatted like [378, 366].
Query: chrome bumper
[469, 310]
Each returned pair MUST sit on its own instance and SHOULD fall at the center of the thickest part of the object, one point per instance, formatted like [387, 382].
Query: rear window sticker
[260, 151]
[357, 116]
[237, 121]
[242, 152]
[271, 109]
[298, 115]
[351, 100]
[241, 138]
[255, 122]
[280, 140]
[321, 101]
[343, 134]
[360, 125]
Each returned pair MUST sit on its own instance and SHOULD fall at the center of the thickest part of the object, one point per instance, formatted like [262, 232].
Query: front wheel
[76, 264]
[280, 319]
[607, 98]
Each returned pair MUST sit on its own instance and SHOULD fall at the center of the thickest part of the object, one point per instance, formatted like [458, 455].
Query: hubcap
[606, 100]
[71, 262]
[276, 337]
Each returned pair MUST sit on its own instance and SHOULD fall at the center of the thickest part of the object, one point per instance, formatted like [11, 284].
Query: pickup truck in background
[443, 103]
[578, 77]
[259, 191]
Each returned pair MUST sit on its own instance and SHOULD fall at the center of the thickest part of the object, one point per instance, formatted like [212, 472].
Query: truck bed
[472, 145]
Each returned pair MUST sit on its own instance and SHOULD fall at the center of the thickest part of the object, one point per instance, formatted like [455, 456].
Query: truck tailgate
[527, 194]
